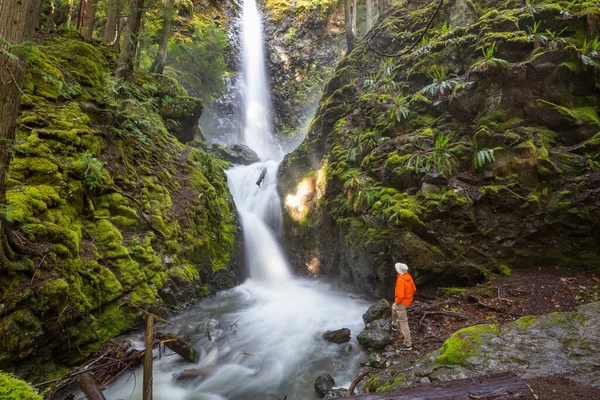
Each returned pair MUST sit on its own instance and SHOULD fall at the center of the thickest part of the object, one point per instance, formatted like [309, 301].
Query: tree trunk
[70, 15]
[354, 17]
[18, 20]
[130, 40]
[161, 55]
[138, 49]
[382, 6]
[112, 17]
[87, 16]
[369, 15]
[348, 25]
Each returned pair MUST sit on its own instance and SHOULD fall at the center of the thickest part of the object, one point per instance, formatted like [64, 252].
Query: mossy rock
[12, 387]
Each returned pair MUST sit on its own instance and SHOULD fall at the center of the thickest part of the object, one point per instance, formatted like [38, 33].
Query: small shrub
[92, 170]
[489, 63]
[441, 157]
[441, 87]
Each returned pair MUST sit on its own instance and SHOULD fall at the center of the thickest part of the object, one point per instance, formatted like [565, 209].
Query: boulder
[335, 393]
[323, 384]
[376, 338]
[237, 153]
[378, 311]
[381, 325]
[337, 336]
[376, 360]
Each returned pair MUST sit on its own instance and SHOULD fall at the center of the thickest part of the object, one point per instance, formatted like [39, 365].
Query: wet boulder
[323, 384]
[337, 336]
[381, 325]
[237, 153]
[380, 310]
[374, 338]
[335, 393]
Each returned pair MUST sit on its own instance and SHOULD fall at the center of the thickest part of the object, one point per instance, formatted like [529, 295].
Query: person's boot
[404, 347]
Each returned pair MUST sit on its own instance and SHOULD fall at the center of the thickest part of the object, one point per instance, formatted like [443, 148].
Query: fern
[400, 109]
[489, 62]
[483, 157]
[441, 87]
[441, 157]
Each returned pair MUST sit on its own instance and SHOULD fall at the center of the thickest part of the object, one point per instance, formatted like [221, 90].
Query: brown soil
[561, 388]
[434, 315]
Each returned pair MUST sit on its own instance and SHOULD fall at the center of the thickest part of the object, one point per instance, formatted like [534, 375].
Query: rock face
[515, 138]
[558, 343]
[237, 153]
[304, 43]
[107, 211]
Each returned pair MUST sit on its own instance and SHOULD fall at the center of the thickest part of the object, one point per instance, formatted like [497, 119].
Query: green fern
[489, 63]
[441, 157]
[441, 87]
[483, 157]
[400, 109]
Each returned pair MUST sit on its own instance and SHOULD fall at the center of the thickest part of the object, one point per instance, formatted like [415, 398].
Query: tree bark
[158, 65]
[70, 15]
[354, 17]
[138, 49]
[147, 378]
[112, 17]
[503, 386]
[350, 38]
[18, 20]
[130, 40]
[382, 6]
[369, 15]
[87, 17]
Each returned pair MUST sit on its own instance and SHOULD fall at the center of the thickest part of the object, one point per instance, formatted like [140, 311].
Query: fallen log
[192, 375]
[261, 178]
[179, 346]
[88, 386]
[503, 386]
[337, 336]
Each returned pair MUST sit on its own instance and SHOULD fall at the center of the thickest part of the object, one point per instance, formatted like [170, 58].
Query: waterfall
[262, 339]
[255, 95]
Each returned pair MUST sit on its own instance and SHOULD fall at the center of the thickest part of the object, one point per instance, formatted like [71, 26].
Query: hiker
[405, 289]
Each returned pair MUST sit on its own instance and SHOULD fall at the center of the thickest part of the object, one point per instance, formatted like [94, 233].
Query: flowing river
[262, 339]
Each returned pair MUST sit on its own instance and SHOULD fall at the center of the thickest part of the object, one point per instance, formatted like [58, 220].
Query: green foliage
[128, 110]
[489, 63]
[445, 29]
[92, 169]
[589, 53]
[483, 157]
[400, 109]
[360, 195]
[549, 40]
[12, 387]
[592, 161]
[441, 87]
[441, 157]
[529, 7]
[199, 61]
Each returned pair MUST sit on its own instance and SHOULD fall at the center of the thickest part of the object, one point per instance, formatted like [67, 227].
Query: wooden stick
[89, 388]
[355, 382]
[147, 382]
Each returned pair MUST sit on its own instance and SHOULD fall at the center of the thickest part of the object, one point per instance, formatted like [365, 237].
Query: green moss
[464, 344]
[451, 291]
[12, 387]
[503, 269]
[525, 322]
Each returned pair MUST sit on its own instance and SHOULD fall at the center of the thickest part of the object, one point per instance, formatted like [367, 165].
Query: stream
[262, 339]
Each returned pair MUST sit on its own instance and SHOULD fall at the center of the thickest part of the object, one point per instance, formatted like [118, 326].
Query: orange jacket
[405, 289]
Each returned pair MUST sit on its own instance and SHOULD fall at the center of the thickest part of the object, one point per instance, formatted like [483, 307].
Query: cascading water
[261, 340]
[255, 95]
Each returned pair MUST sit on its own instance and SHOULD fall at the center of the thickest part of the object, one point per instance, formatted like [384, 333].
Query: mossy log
[498, 387]
[179, 346]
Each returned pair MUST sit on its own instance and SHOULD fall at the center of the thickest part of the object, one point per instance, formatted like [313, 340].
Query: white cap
[401, 268]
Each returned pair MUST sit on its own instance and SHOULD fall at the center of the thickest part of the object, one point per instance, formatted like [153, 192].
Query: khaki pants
[400, 319]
